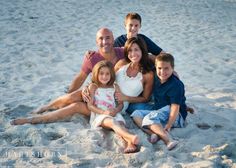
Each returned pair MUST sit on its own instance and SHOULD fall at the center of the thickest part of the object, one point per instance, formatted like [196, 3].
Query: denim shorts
[139, 106]
[160, 116]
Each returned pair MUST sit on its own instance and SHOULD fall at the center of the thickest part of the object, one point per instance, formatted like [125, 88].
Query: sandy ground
[41, 49]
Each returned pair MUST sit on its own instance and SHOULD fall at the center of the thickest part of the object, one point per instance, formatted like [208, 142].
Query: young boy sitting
[132, 26]
[169, 98]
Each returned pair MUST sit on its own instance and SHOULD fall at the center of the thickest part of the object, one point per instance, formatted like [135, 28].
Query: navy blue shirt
[170, 92]
[151, 46]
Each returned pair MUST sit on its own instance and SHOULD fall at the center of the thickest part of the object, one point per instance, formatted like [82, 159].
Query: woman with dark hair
[134, 73]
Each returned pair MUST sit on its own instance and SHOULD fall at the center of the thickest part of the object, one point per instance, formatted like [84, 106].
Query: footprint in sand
[217, 127]
[53, 136]
[205, 126]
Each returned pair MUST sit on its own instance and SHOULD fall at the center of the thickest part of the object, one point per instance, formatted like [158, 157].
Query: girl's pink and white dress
[104, 99]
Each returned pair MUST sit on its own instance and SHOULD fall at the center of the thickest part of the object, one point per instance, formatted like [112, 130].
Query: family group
[131, 75]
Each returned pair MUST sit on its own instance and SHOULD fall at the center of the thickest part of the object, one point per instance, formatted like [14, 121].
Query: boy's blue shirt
[151, 46]
[170, 92]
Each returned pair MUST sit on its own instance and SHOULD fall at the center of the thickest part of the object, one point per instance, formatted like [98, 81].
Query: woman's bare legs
[131, 139]
[57, 115]
[60, 102]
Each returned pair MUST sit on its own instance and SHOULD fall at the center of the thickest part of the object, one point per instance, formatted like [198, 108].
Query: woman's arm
[120, 104]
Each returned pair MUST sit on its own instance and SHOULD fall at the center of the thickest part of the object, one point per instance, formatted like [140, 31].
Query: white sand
[41, 49]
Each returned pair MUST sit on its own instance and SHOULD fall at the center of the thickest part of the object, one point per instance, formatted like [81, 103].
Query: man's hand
[85, 94]
[89, 54]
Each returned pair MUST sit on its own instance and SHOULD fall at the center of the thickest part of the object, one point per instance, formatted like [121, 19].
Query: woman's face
[135, 53]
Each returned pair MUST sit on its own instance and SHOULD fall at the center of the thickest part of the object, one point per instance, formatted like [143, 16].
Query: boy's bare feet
[172, 144]
[153, 138]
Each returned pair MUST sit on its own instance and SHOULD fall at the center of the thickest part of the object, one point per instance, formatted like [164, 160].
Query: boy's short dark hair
[166, 57]
[133, 15]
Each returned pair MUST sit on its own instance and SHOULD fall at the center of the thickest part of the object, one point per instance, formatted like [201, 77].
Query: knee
[81, 108]
[75, 96]
[65, 99]
[114, 123]
[138, 121]
[76, 105]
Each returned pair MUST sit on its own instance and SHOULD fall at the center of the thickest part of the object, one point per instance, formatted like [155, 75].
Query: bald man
[72, 102]
[106, 51]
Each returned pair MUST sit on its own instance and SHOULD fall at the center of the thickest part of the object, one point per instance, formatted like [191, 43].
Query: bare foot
[172, 144]
[130, 148]
[20, 121]
[153, 138]
[135, 140]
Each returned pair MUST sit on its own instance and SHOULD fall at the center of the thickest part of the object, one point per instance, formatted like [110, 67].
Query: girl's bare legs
[132, 140]
[60, 102]
[63, 113]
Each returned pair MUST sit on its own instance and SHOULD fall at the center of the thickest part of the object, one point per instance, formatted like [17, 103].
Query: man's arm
[78, 81]
[152, 47]
[119, 64]
[153, 57]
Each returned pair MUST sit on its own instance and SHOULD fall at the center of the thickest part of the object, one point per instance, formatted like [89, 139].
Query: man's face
[164, 70]
[132, 27]
[105, 41]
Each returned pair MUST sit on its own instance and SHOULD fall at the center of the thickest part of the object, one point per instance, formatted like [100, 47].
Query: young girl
[104, 108]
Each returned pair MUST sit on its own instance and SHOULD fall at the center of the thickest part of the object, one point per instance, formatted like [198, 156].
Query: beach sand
[42, 44]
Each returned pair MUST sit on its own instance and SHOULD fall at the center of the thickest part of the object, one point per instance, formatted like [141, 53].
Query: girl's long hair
[97, 68]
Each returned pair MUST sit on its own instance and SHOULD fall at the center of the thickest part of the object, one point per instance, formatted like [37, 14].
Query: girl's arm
[148, 80]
